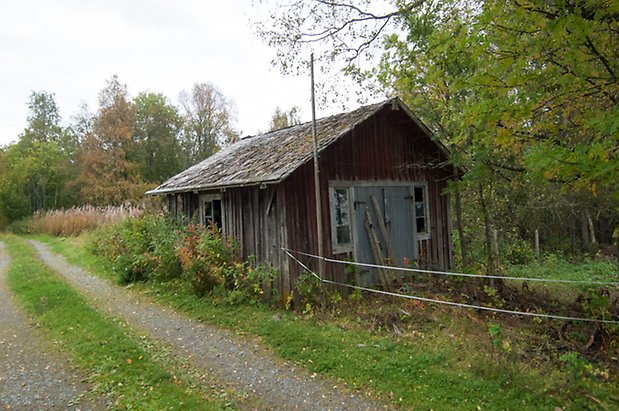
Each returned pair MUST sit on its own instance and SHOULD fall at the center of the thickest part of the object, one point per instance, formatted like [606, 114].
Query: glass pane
[343, 234]
[420, 210]
[208, 210]
[421, 225]
[217, 213]
[342, 216]
[419, 194]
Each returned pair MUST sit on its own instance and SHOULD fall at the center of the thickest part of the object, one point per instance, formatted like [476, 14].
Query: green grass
[556, 268]
[118, 363]
[444, 363]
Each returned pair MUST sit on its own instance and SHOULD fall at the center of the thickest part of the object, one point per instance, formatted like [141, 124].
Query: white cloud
[71, 47]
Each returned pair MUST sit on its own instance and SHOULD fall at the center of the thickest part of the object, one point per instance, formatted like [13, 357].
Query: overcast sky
[71, 47]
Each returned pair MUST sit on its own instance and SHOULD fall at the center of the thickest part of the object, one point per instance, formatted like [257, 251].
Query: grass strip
[432, 369]
[115, 362]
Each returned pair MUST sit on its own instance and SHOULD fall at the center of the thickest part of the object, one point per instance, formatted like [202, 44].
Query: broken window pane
[343, 234]
[341, 216]
[420, 208]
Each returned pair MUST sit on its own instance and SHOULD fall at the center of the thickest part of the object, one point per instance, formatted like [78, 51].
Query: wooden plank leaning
[376, 251]
[392, 275]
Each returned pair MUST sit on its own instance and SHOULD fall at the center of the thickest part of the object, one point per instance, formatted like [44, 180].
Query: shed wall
[388, 147]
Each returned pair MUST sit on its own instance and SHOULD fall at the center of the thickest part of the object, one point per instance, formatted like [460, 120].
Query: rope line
[450, 273]
[450, 303]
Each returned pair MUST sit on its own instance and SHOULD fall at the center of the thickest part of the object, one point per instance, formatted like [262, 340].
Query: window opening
[421, 212]
[341, 231]
[212, 213]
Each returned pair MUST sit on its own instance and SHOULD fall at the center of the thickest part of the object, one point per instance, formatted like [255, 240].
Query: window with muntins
[211, 211]
[421, 209]
[340, 212]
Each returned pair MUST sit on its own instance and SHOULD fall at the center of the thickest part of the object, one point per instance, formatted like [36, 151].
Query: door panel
[397, 214]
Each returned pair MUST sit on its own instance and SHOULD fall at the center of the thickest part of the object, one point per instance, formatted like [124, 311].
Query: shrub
[207, 260]
[155, 247]
[518, 251]
[140, 248]
[248, 282]
[309, 290]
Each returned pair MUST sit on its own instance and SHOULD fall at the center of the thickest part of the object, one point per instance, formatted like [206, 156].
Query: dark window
[212, 213]
[421, 213]
[341, 216]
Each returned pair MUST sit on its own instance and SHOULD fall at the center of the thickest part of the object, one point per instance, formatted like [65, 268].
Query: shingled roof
[268, 158]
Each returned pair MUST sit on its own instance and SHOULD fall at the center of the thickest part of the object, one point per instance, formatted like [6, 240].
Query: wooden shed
[378, 165]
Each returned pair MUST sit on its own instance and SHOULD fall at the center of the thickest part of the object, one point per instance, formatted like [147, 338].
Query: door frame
[351, 185]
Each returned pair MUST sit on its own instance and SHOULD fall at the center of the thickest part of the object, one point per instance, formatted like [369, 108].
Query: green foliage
[577, 366]
[35, 172]
[140, 248]
[208, 119]
[249, 282]
[282, 118]
[555, 266]
[157, 127]
[309, 290]
[153, 247]
[206, 259]
[596, 303]
[517, 251]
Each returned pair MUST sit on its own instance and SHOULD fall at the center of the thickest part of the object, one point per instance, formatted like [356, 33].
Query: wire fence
[451, 273]
[433, 300]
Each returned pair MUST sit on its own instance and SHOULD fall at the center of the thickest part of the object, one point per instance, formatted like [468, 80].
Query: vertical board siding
[387, 147]
[376, 150]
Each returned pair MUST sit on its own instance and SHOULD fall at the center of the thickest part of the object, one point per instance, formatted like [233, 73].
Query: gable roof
[271, 157]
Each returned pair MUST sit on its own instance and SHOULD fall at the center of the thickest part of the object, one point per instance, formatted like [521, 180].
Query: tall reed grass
[76, 220]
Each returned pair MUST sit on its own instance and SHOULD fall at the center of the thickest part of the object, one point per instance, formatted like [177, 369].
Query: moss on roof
[266, 158]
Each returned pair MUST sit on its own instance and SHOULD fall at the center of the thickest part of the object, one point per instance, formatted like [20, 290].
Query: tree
[524, 93]
[157, 126]
[37, 167]
[14, 197]
[282, 119]
[208, 118]
[109, 173]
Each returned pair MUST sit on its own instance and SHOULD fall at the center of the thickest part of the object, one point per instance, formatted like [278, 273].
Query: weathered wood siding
[254, 217]
[388, 147]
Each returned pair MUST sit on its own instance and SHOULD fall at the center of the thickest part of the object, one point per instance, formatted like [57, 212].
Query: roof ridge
[365, 107]
[269, 157]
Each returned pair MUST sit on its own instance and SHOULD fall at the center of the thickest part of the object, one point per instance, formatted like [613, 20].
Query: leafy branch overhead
[532, 84]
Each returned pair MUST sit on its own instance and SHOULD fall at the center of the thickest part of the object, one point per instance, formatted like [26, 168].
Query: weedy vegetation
[128, 368]
[407, 353]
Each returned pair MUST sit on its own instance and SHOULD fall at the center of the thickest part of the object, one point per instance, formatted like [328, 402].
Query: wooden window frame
[426, 234]
[203, 198]
[341, 248]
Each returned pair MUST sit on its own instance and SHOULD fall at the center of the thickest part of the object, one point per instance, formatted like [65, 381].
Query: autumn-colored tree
[109, 173]
[282, 119]
[208, 118]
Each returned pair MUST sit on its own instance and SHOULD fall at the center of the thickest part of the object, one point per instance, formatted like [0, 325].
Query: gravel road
[242, 362]
[33, 373]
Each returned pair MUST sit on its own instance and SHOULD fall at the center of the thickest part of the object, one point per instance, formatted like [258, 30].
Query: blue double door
[391, 207]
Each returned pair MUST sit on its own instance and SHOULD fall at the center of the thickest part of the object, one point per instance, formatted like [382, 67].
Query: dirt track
[33, 373]
[244, 363]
